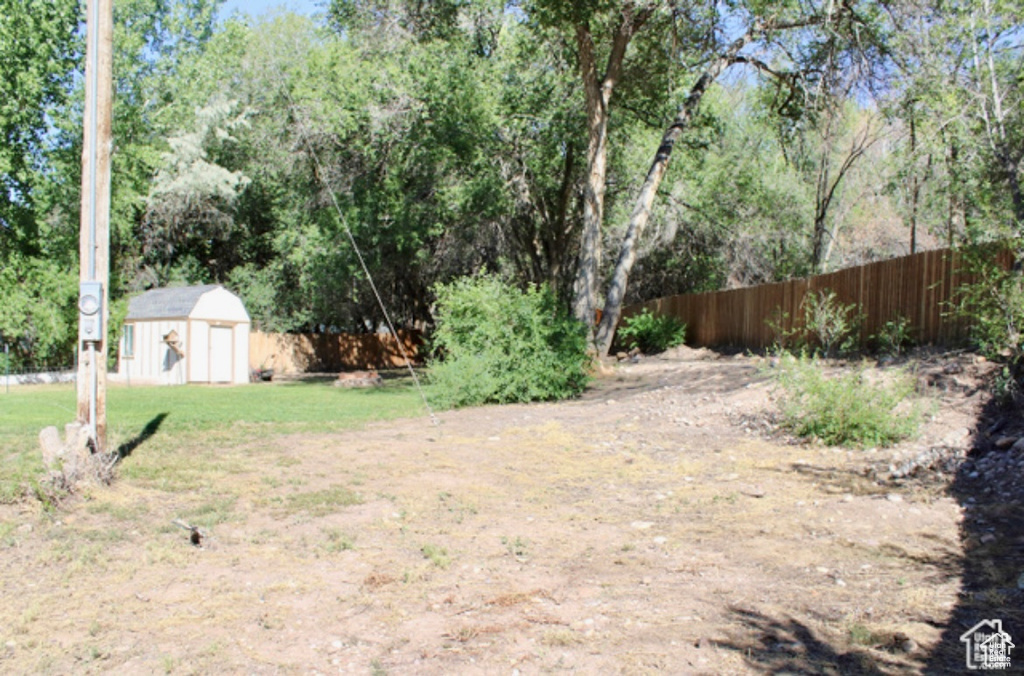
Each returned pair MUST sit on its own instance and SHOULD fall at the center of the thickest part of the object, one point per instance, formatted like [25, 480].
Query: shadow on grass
[786, 645]
[151, 428]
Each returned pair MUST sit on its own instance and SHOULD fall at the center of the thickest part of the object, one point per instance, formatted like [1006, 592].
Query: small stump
[358, 379]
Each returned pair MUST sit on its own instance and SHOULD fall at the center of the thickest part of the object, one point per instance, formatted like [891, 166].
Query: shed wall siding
[200, 363]
[241, 353]
[154, 362]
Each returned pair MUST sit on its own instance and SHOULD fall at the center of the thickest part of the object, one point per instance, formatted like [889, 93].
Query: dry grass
[555, 537]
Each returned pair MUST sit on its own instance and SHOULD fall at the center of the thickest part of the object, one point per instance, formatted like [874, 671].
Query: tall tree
[39, 51]
[961, 65]
[806, 26]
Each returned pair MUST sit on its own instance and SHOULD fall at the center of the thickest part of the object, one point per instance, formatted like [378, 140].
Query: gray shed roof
[166, 303]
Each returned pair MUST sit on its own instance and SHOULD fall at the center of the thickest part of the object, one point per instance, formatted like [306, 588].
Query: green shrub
[831, 325]
[829, 328]
[993, 304]
[894, 336]
[845, 409]
[497, 344]
[652, 333]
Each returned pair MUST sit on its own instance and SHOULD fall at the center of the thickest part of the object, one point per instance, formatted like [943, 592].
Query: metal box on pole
[90, 312]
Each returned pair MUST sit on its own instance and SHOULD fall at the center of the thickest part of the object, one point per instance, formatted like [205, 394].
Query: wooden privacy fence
[919, 287]
[330, 352]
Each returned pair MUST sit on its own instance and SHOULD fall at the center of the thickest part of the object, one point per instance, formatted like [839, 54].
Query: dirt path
[649, 527]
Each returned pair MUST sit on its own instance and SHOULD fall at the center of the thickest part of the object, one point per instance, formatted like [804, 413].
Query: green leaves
[498, 344]
[39, 318]
[38, 54]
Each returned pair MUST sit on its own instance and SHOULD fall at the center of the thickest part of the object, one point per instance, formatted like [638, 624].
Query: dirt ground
[654, 526]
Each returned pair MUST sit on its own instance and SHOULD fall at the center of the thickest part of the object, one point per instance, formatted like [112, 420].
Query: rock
[893, 497]
[1020, 581]
[1018, 446]
[621, 356]
[988, 538]
[49, 440]
[1003, 443]
[957, 437]
[904, 643]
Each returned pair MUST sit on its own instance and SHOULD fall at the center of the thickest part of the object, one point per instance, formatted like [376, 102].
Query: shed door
[220, 354]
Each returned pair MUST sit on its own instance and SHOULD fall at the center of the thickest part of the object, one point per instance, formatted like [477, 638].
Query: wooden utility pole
[94, 238]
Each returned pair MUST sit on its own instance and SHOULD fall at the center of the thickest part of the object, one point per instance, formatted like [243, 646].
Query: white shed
[189, 334]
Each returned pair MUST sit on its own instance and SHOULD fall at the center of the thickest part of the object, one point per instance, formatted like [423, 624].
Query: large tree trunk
[598, 90]
[645, 200]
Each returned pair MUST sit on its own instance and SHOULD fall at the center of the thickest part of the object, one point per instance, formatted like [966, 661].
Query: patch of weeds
[436, 554]
[17, 472]
[107, 535]
[321, 503]
[337, 541]
[652, 333]
[121, 512]
[28, 618]
[846, 409]
[377, 669]
[94, 653]
[560, 638]
[6, 537]
[730, 498]
[458, 510]
[271, 481]
[211, 513]
[862, 635]
[76, 556]
[410, 576]
[895, 336]
[288, 461]
[517, 546]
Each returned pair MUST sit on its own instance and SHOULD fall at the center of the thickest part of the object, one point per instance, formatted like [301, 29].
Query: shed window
[129, 341]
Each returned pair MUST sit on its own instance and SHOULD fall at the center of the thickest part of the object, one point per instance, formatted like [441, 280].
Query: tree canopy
[613, 151]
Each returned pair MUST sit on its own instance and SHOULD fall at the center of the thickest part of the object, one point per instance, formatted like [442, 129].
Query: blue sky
[258, 7]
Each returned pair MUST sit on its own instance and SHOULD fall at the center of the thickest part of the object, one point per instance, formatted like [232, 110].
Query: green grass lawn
[189, 414]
